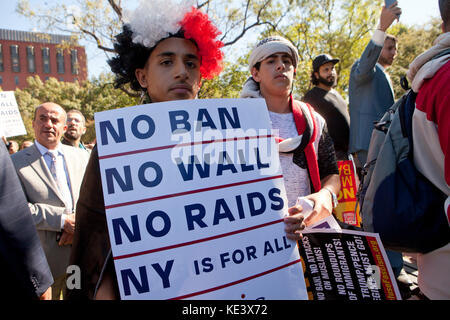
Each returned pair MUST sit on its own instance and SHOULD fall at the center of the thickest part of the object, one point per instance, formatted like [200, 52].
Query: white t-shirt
[296, 179]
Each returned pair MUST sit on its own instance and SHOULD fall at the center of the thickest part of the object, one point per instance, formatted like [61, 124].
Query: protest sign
[346, 265]
[347, 209]
[11, 123]
[195, 200]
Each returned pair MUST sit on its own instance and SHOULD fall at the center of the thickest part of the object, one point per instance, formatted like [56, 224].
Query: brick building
[24, 54]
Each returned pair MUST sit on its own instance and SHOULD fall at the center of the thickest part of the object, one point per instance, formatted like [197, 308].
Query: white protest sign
[195, 201]
[11, 123]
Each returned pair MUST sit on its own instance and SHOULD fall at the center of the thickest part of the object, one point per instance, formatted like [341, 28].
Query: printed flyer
[346, 265]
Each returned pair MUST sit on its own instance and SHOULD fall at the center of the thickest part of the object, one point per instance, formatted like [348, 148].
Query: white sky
[414, 12]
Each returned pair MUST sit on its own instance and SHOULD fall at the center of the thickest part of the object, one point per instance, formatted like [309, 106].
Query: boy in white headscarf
[307, 154]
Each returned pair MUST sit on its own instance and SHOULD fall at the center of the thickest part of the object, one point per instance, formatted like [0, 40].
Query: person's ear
[316, 75]
[141, 77]
[255, 74]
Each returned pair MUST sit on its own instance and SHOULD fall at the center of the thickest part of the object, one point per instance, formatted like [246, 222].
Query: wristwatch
[333, 197]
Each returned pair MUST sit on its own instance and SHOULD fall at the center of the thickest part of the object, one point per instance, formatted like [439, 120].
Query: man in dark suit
[23, 266]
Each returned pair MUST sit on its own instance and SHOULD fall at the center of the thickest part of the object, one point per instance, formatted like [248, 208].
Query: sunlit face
[172, 72]
[49, 124]
[388, 53]
[327, 74]
[75, 126]
[275, 74]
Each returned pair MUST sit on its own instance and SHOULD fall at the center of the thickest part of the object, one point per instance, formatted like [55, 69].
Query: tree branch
[116, 7]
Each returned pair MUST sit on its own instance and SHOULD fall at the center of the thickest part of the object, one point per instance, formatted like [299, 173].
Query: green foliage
[337, 27]
[89, 97]
[412, 41]
[227, 85]
[341, 28]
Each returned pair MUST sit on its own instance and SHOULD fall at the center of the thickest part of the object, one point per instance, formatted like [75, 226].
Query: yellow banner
[348, 210]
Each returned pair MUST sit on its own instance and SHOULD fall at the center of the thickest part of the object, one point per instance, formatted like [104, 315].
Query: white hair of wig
[154, 20]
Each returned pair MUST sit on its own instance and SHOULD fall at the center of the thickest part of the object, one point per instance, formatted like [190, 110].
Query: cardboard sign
[346, 265]
[347, 209]
[195, 200]
[11, 123]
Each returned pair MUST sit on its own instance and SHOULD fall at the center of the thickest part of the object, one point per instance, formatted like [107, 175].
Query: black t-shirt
[333, 108]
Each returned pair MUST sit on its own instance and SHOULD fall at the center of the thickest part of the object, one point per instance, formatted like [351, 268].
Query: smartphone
[387, 3]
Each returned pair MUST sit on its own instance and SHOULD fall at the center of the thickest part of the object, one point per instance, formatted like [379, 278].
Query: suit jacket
[370, 95]
[45, 201]
[23, 266]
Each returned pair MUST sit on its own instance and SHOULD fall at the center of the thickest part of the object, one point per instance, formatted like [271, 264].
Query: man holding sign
[165, 64]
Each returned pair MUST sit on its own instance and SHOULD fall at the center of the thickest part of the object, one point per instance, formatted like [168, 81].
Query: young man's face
[275, 74]
[172, 72]
[327, 74]
[75, 126]
[388, 53]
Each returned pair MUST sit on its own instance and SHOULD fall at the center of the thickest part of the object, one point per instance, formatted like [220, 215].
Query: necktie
[58, 173]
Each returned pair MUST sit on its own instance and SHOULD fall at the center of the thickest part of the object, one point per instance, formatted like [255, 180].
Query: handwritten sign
[11, 123]
[195, 200]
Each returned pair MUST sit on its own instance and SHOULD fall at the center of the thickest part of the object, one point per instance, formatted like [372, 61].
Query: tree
[89, 97]
[99, 21]
[412, 41]
[341, 28]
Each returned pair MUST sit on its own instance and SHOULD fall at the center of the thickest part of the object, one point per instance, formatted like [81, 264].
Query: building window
[16, 80]
[15, 62]
[1, 59]
[30, 59]
[1, 79]
[74, 61]
[46, 60]
[60, 61]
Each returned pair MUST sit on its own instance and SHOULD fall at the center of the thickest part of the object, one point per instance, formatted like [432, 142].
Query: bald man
[51, 175]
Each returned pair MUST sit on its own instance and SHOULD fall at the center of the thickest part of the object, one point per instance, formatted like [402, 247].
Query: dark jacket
[91, 249]
[23, 265]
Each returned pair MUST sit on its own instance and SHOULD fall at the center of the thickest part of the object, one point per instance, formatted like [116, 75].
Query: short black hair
[444, 8]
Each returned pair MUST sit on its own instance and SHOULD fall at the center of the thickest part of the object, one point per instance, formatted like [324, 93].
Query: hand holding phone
[388, 3]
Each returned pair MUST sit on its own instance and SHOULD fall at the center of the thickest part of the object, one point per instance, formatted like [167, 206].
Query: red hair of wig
[197, 26]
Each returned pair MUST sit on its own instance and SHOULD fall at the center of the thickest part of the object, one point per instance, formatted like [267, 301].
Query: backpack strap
[304, 117]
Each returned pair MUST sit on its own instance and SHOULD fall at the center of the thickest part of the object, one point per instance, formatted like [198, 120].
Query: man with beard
[329, 103]
[76, 127]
